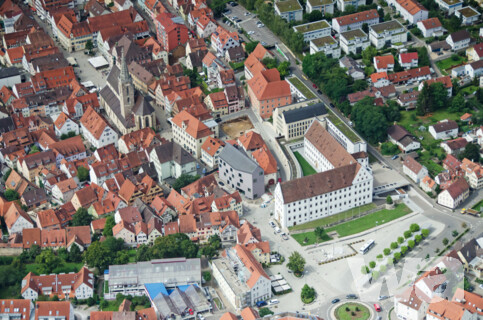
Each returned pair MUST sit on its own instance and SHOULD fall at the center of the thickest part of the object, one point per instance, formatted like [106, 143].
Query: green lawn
[468, 90]
[113, 305]
[301, 87]
[334, 218]
[132, 255]
[369, 221]
[427, 160]
[341, 312]
[237, 65]
[310, 237]
[306, 167]
[478, 206]
[66, 267]
[449, 62]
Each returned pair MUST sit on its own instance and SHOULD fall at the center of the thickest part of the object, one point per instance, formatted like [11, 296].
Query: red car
[377, 307]
[313, 85]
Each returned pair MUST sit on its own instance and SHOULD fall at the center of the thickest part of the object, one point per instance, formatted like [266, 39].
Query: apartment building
[314, 30]
[343, 4]
[340, 184]
[328, 45]
[387, 33]
[170, 31]
[473, 173]
[16, 309]
[411, 10]
[290, 10]
[468, 15]
[324, 6]
[241, 278]
[450, 6]
[431, 27]
[354, 41]
[292, 121]
[355, 20]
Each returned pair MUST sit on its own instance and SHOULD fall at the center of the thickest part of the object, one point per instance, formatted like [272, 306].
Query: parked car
[261, 25]
[351, 296]
[247, 13]
[314, 86]
[395, 157]
[277, 229]
[284, 236]
[272, 224]
[335, 301]
[274, 301]
[261, 304]
[383, 298]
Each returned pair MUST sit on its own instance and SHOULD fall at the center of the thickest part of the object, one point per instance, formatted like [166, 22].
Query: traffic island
[352, 311]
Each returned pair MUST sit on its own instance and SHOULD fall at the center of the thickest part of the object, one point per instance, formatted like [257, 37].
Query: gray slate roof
[308, 112]
[238, 160]
[172, 151]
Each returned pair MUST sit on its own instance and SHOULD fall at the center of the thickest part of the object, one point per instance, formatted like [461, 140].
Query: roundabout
[351, 310]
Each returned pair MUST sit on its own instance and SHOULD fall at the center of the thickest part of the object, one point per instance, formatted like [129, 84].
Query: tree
[47, 261]
[207, 276]
[471, 152]
[411, 244]
[89, 45]
[364, 269]
[264, 312]
[394, 245]
[98, 256]
[407, 234]
[110, 223]
[173, 246]
[404, 249]
[217, 6]
[372, 264]
[308, 294]
[400, 240]
[319, 233]
[284, 69]
[425, 233]
[75, 254]
[392, 111]
[250, 46]
[397, 256]
[389, 200]
[81, 218]
[365, 28]
[445, 241]
[34, 149]
[423, 100]
[142, 253]
[211, 250]
[414, 227]
[184, 180]
[270, 63]
[387, 251]
[368, 54]
[315, 15]
[296, 263]
[11, 195]
[457, 103]
[122, 257]
[418, 238]
[369, 120]
[82, 173]
[359, 85]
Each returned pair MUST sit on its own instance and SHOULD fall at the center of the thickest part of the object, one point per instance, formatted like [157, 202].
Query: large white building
[327, 45]
[342, 4]
[324, 6]
[354, 41]
[411, 10]
[314, 30]
[355, 20]
[450, 5]
[171, 161]
[387, 33]
[344, 180]
[96, 130]
[241, 278]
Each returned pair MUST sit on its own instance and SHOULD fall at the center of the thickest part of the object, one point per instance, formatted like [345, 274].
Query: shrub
[407, 234]
[454, 233]
[397, 256]
[445, 241]
[364, 270]
[394, 245]
[375, 275]
[387, 251]
[411, 244]
[404, 249]
[372, 264]
[418, 238]
[383, 268]
[379, 257]
[347, 309]
[400, 240]
[414, 227]
[389, 200]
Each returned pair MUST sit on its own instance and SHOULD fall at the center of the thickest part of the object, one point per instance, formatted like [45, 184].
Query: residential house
[455, 146]
[444, 129]
[410, 76]
[34, 198]
[18, 183]
[468, 15]
[210, 151]
[125, 231]
[353, 68]
[61, 309]
[328, 45]
[390, 32]
[146, 190]
[355, 21]
[475, 53]
[402, 138]
[445, 80]
[474, 69]
[268, 163]
[205, 26]
[342, 5]
[240, 172]
[194, 60]
[384, 63]
[473, 173]
[459, 40]
[450, 5]
[63, 125]
[64, 190]
[32, 164]
[222, 40]
[314, 30]
[70, 149]
[190, 133]
[248, 234]
[290, 10]
[428, 184]
[235, 54]
[96, 130]
[73, 35]
[228, 202]
[171, 161]
[408, 60]
[414, 169]
[455, 194]
[226, 78]
[431, 27]
[410, 304]
[411, 10]
[380, 79]
[16, 219]
[267, 91]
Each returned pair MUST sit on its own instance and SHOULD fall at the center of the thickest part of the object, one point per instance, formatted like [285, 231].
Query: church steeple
[126, 88]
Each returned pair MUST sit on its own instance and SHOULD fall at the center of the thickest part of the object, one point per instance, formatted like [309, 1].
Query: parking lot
[249, 24]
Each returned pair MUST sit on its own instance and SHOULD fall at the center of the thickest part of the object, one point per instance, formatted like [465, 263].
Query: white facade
[450, 5]
[107, 137]
[468, 15]
[205, 31]
[314, 30]
[295, 13]
[171, 169]
[458, 45]
[387, 33]
[418, 12]
[415, 176]
[445, 199]
[453, 133]
[68, 126]
[356, 22]
[430, 32]
[342, 4]
[324, 6]
[19, 225]
[209, 160]
[354, 41]
[328, 46]
[348, 144]
[220, 47]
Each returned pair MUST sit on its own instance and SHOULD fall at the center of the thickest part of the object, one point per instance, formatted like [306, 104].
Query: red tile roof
[191, 125]
[382, 62]
[268, 85]
[431, 23]
[408, 57]
[357, 17]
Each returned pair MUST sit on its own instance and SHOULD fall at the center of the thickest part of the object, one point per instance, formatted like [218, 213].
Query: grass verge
[307, 169]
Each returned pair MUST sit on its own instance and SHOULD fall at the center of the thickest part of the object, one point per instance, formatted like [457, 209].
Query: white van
[277, 230]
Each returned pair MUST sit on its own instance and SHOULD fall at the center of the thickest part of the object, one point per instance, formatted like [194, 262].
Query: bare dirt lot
[235, 128]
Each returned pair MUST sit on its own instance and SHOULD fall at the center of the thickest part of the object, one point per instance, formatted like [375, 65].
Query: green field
[341, 313]
[310, 237]
[358, 225]
[333, 218]
[449, 62]
[307, 169]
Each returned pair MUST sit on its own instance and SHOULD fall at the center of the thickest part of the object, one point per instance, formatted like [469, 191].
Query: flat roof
[316, 3]
[9, 72]
[288, 5]
[468, 12]
[352, 34]
[319, 42]
[312, 26]
[304, 113]
[389, 25]
[452, 2]
[301, 87]
[98, 62]
[344, 128]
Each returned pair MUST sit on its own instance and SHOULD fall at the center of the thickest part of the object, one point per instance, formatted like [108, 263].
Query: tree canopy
[296, 262]
[369, 120]
[184, 180]
[471, 152]
[11, 195]
[110, 223]
[82, 173]
[47, 261]
[81, 218]
[431, 98]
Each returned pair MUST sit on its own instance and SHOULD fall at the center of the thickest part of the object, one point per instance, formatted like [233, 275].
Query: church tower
[126, 88]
